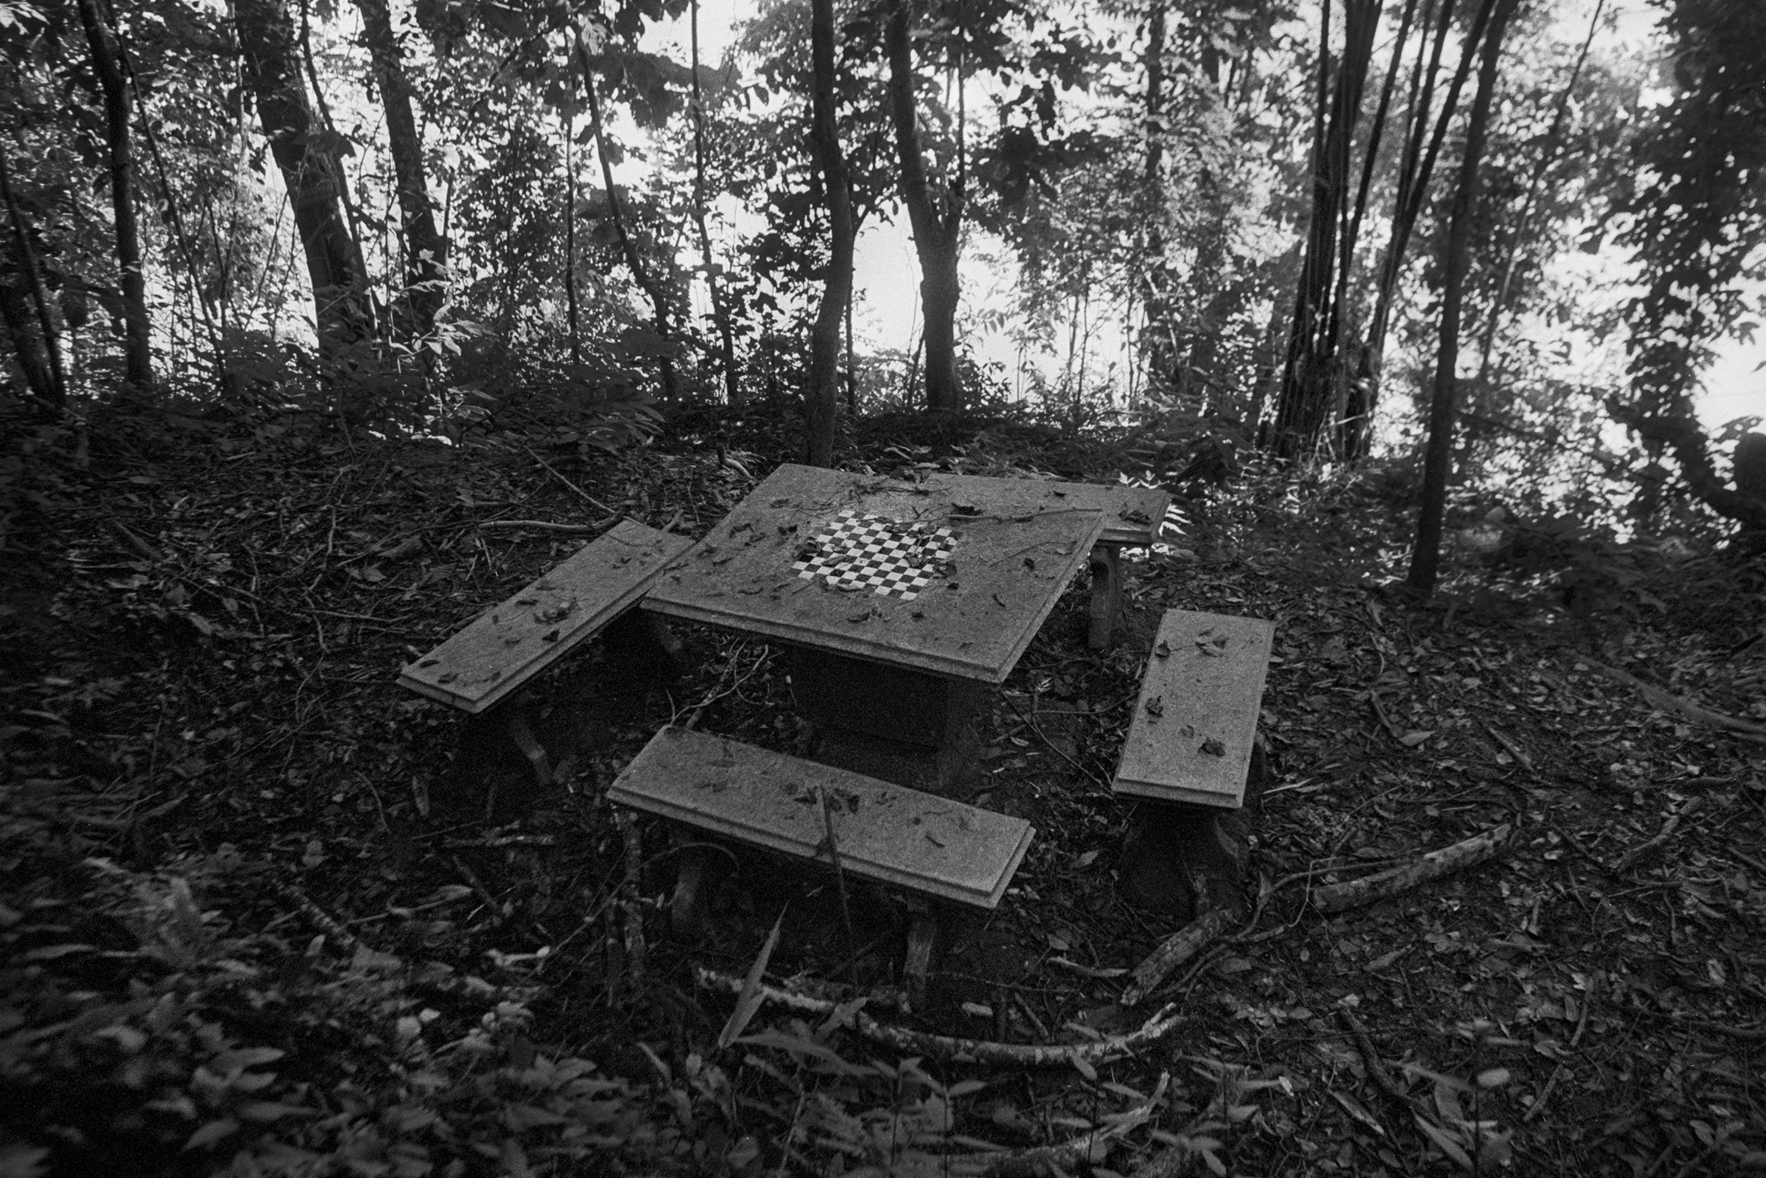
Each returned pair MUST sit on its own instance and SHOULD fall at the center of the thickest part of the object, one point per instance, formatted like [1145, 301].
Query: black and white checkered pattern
[885, 556]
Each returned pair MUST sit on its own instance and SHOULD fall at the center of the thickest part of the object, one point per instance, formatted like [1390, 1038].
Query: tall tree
[720, 306]
[1425, 559]
[1697, 226]
[273, 73]
[641, 273]
[935, 213]
[24, 303]
[107, 63]
[1305, 400]
[425, 250]
[822, 402]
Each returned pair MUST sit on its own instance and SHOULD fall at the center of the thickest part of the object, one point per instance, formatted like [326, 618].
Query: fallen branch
[1664, 701]
[542, 525]
[1645, 850]
[1383, 885]
[1173, 952]
[948, 1047]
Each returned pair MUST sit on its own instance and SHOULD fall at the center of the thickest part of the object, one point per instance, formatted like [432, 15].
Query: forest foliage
[1224, 219]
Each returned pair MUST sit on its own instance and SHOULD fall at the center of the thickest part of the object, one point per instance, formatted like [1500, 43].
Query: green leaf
[211, 1133]
[748, 1003]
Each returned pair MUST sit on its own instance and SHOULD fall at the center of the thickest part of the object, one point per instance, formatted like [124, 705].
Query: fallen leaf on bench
[1163, 650]
[932, 838]
[1156, 706]
[862, 616]
[1213, 747]
[527, 601]
[780, 502]
[428, 662]
[551, 636]
[447, 676]
[964, 509]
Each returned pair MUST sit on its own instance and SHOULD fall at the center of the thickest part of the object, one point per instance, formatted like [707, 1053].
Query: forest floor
[254, 914]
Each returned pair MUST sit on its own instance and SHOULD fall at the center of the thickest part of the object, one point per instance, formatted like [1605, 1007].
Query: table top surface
[952, 576]
[1132, 515]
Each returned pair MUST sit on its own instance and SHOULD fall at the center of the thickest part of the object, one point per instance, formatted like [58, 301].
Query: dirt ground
[216, 797]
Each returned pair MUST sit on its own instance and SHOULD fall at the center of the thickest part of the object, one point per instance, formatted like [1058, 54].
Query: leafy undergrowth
[265, 912]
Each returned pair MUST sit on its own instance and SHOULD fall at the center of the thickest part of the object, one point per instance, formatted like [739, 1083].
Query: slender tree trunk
[425, 249]
[573, 315]
[822, 402]
[936, 233]
[38, 354]
[1548, 157]
[616, 210]
[1415, 174]
[1156, 337]
[720, 305]
[1305, 395]
[137, 327]
[1426, 556]
[272, 70]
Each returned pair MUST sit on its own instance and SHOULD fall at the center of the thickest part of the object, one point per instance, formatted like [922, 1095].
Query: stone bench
[508, 645]
[897, 836]
[1190, 750]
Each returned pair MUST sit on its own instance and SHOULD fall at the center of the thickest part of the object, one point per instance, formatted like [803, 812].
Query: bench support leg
[917, 968]
[1106, 595]
[912, 729]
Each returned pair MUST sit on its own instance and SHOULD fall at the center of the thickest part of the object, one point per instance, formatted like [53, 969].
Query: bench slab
[1196, 717]
[511, 643]
[885, 832]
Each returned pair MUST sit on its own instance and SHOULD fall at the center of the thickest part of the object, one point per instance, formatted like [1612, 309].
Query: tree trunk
[936, 233]
[822, 400]
[1305, 401]
[1426, 557]
[1157, 347]
[21, 292]
[720, 305]
[137, 327]
[616, 211]
[1414, 175]
[272, 71]
[425, 249]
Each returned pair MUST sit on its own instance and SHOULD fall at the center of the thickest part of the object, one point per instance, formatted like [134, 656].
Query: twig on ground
[323, 920]
[1052, 746]
[542, 525]
[1386, 884]
[1645, 850]
[582, 494]
[1173, 952]
[1514, 750]
[1020, 1055]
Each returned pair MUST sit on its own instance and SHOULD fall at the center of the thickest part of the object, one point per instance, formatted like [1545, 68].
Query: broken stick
[1383, 885]
[1644, 850]
[1172, 952]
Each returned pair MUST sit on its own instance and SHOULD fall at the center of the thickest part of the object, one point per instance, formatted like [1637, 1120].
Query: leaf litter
[214, 791]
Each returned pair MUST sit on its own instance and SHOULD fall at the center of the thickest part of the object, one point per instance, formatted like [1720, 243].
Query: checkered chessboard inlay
[886, 556]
